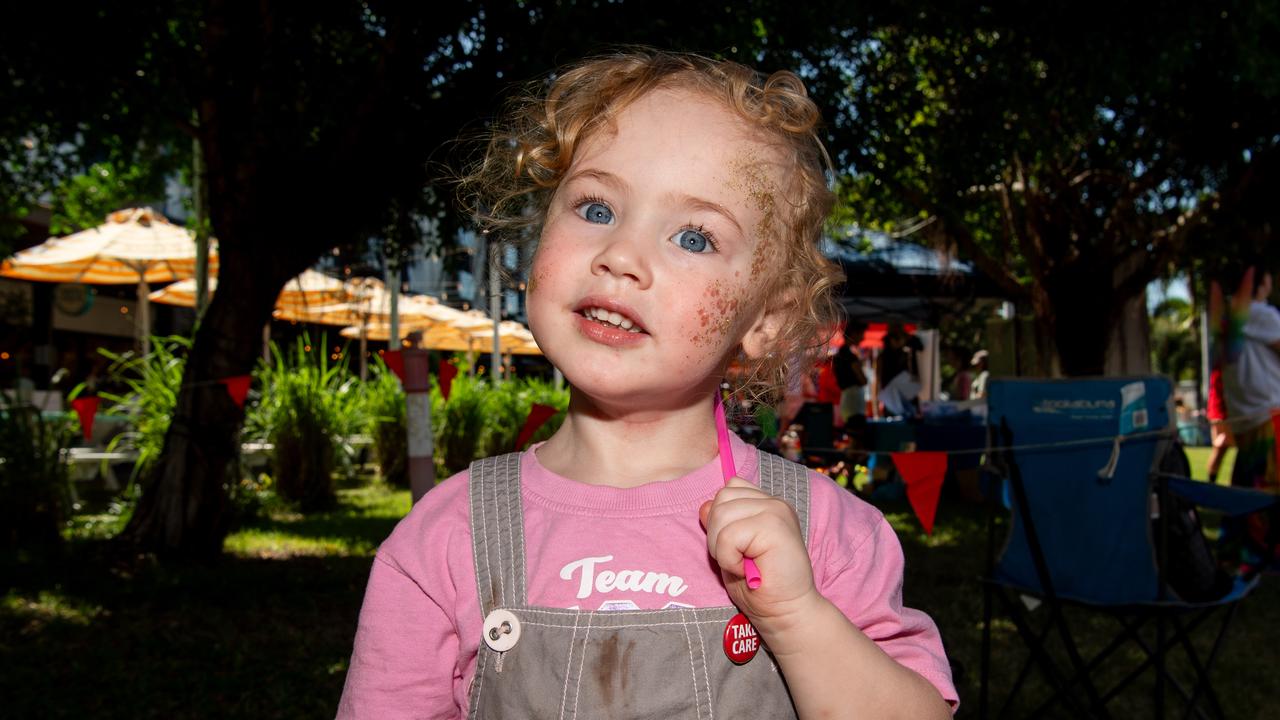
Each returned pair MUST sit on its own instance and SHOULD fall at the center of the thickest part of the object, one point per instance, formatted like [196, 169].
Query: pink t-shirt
[595, 547]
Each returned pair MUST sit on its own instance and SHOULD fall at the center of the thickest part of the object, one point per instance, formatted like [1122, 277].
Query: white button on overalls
[501, 630]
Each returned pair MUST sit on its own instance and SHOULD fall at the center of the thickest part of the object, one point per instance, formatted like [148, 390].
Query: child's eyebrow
[607, 178]
[679, 199]
[698, 203]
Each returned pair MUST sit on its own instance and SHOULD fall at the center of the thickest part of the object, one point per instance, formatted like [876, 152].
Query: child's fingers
[750, 536]
[735, 505]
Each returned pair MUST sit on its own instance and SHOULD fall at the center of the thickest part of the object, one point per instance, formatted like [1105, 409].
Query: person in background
[1248, 353]
[978, 390]
[962, 383]
[850, 375]
[1219, 430]
[897, 373]
[852, 381]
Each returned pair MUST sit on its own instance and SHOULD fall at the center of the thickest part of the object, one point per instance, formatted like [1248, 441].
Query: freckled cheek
[718, 315]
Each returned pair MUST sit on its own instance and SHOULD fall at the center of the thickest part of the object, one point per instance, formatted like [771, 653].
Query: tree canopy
[1069, 153]
[1073, 155]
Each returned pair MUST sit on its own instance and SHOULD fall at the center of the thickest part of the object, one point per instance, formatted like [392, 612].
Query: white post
[417, 390]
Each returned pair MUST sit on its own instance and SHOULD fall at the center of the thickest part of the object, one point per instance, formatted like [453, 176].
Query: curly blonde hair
[509, 189]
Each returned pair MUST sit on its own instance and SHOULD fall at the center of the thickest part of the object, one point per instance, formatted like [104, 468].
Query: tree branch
[957, 231]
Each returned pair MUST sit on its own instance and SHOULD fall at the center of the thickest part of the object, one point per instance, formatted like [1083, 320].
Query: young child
[677, 204]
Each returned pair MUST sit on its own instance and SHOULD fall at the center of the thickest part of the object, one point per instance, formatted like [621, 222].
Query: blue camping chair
[1080, 532]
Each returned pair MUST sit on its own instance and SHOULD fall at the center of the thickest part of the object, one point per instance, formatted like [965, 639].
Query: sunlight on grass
[908, 526]
[100, 526]
[344, 532]
[1199, 457]
[268, 544]
[375, 501]
[48, 607]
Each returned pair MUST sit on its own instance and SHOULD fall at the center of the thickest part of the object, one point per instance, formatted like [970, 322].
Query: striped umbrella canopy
[308, 290]
[135, 245]
[369, 303]
[513, 338]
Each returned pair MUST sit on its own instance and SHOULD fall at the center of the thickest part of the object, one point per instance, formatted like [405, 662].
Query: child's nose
[623, 257]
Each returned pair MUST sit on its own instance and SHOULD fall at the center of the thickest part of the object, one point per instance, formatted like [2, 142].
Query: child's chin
[635, 396]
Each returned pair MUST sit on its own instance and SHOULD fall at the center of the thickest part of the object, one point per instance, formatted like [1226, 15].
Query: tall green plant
[34, 491]
[385, 404]
[308, 406]
[482, 419]
[152, 382]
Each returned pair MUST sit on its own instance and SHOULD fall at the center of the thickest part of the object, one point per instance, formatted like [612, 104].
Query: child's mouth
[610, 319]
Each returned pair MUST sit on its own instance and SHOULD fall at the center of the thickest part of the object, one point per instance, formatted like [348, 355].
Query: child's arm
[834, 671]
[832, 668]
[402, 663]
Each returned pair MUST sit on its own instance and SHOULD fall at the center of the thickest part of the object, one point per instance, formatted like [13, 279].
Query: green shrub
[481, 419]
[307, 406]
[34, 490]
[385, 410]
[153, 381]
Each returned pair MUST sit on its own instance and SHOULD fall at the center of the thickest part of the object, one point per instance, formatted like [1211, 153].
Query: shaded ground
[267, 632]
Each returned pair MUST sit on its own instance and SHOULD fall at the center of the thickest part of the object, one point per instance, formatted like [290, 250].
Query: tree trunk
[185, 510]
[1082, 312]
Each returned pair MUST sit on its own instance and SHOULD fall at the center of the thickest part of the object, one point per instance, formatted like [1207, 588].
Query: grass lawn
[1199, 457]
[267, 631]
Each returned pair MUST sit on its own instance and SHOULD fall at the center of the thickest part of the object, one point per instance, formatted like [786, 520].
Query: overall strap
[497, 531]
[788, 481]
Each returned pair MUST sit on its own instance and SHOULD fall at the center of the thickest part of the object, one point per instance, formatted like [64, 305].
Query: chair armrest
[1228, 500]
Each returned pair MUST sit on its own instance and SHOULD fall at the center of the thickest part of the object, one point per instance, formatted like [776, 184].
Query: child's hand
[742, 521]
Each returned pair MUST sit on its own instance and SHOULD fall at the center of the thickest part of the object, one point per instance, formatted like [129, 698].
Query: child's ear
[762, 336]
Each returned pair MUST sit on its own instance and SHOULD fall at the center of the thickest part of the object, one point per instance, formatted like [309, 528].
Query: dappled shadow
[243, 637]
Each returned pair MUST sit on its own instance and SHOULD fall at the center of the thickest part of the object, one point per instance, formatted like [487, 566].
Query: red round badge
[741, 641]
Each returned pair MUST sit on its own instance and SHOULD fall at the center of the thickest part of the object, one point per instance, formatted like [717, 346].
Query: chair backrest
[1094, 533]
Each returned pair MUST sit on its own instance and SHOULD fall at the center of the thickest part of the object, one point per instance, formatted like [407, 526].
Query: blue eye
[694, 241]
[595, 212]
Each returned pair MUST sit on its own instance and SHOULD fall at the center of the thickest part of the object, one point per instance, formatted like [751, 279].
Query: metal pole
[417, 389]
[144, 317]
[201, 230]
[393, 288]
[495, 311]
[1204, 360]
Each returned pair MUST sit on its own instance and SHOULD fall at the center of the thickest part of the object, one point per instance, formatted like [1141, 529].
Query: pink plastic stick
[726, 466]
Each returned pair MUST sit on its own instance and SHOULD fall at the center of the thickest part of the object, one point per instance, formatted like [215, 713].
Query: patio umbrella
[513, 338]
[135, 245]
[310, 289]
[369, 306]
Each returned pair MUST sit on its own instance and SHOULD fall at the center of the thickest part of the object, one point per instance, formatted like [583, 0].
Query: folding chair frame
[1130, 618]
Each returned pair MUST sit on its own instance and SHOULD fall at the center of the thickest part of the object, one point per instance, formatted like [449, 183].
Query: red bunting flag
[86, 408]
[237, 387]
[1275, 426]
[394, 360]
[447, 373]
[923, 473]
[538, 414]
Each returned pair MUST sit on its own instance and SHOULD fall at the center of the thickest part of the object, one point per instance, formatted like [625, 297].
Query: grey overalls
[659, 664]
